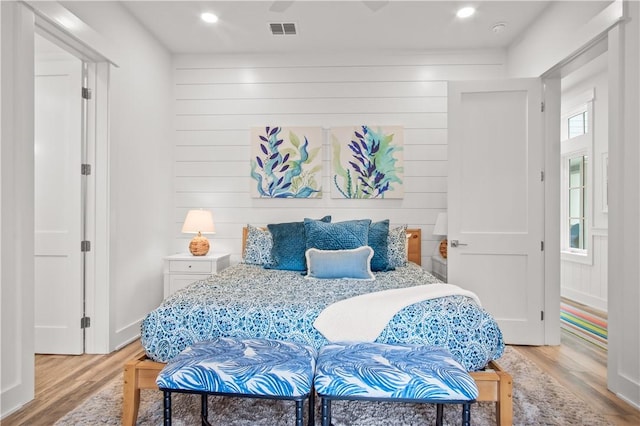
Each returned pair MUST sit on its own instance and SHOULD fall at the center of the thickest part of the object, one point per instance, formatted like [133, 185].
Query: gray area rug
[537, 400]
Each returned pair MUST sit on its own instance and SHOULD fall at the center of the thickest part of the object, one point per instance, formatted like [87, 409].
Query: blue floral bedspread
[247, 301]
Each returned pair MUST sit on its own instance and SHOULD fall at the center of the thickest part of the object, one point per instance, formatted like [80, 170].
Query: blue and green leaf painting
[286, 162]
[367, 162]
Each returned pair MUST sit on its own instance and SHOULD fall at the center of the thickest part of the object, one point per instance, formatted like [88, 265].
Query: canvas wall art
[367, 162]
[286, 162]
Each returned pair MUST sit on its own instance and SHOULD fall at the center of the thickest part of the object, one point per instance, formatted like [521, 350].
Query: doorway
[59, 212]
[584, 199]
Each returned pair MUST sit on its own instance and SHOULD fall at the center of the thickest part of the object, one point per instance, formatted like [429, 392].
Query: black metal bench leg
[166, 401]
[466, 414]
[204, 410]
[326, 412]
[300, 412]
[439, 412]
[312, 408]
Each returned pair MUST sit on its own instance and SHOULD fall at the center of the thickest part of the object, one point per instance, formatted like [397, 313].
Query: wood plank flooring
[64, 382]
[582, 368]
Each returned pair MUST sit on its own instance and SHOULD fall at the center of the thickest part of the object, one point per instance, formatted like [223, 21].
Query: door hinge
[85, 169]
[86, 93]
[541, 245]
[541, 315]
[541, 175]
[541, 106]
[85, 322]
[85, 246]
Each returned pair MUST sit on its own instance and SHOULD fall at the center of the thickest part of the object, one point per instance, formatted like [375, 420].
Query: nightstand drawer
[182, 269]
[182, 266]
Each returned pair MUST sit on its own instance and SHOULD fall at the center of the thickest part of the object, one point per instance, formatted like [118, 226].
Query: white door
[496, 201]
[58, 211]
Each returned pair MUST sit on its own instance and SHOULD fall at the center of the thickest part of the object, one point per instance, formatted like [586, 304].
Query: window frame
[578, 146]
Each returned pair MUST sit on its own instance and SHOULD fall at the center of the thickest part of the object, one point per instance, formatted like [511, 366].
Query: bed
[247, 300]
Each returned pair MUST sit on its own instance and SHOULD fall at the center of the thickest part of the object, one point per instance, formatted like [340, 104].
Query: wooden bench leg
[131, 394]
[139, 373]
[504, 405]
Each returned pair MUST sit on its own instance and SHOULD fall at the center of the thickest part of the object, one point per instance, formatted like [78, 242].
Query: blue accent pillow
[343, 264]
[289, 245]
[378, 241]
[349, 234]
[397, 246]
[258, 246]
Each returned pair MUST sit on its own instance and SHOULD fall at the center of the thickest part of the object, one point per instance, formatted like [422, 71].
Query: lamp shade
[442, 225]
[199, 221]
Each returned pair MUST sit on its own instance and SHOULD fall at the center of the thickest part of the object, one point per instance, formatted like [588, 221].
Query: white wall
[560, 31]
[17, 377]
[16, 220]
[587, 283]
[548, 41]
[624, 212]
[219, 98]
[139, 165]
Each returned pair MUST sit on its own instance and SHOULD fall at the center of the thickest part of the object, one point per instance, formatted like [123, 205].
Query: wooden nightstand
[182, 269]
[439, 267]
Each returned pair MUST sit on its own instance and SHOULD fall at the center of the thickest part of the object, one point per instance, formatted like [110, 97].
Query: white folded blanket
[362, 318]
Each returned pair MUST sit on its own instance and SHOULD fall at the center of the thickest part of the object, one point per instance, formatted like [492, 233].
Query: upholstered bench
[254, 368]
[403, 373]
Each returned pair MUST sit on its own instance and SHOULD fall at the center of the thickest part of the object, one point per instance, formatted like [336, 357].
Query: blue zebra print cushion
[376, 370]
[244, 367]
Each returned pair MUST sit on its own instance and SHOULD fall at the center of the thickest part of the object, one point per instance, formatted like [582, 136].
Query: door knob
[456, 243]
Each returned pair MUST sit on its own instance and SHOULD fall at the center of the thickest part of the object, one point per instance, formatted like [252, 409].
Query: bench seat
[401, 373]
[255, 368]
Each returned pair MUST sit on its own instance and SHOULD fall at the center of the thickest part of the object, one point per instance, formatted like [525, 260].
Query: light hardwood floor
[63, 382]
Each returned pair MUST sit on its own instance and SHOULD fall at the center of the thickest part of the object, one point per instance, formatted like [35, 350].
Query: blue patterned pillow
[289, 245]
[333, 264]
[397, 246]
[257, 248]
[349, 234]
[378, 241]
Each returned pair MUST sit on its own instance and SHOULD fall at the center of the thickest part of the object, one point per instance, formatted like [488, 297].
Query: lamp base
[443, 248]
[199, 246]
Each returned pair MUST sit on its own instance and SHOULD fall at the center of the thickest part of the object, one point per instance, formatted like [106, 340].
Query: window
[577, 124]
[577, 202]
[577, 166]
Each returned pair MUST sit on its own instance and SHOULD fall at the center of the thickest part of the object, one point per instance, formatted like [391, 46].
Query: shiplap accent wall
[219, 98]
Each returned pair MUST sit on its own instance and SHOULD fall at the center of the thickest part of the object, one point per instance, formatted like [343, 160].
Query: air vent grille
[288, 28]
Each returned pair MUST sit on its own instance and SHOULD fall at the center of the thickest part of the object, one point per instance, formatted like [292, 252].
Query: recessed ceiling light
[465, 12]
[209, 17]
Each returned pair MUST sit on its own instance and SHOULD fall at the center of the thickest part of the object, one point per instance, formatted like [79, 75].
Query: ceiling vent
[288, 28]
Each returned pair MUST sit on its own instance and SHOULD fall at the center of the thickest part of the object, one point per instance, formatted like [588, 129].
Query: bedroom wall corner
[140, 165]
[561, 30]
[543, 47]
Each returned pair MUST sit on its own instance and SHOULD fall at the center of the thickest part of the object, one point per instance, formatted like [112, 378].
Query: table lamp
[441, 228]
[199, 222]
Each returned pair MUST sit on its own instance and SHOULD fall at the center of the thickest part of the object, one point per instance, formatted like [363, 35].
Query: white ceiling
[332, 26]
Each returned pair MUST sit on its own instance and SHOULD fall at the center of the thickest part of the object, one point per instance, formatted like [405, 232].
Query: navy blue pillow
[378, 241]
[289, 245]
[337, 236]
